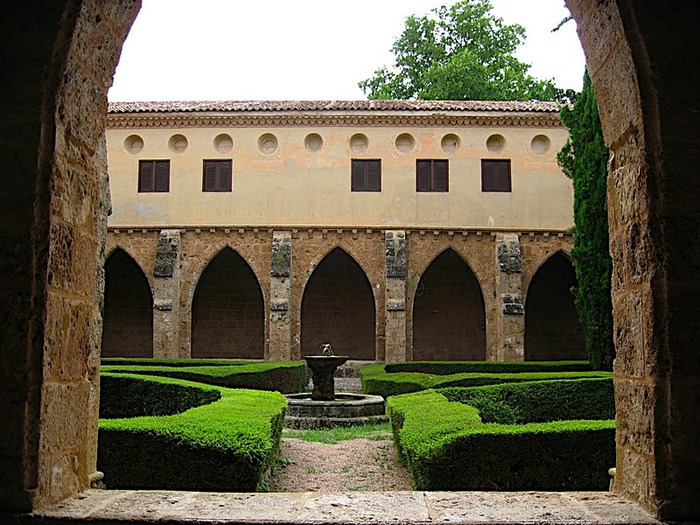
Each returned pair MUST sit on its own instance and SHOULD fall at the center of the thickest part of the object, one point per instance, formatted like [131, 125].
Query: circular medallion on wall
[495, 143]
[540, 144]
[405, 142]
[133, 144]
[313, 142]
[449, 143]
[267, 143]
[178, 143]
[359, 143]
[223, 143]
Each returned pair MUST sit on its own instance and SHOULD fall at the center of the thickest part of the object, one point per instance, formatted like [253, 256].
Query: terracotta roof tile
[330, 105]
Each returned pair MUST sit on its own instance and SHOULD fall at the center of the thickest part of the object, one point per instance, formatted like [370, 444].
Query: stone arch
[449, 317]
[552, 328]
[134, 256]
[63, 64]
[338, 307]
[127, 329]
[228, 310]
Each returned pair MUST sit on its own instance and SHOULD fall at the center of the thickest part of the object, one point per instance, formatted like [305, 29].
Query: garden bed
[528, 445]
[178, 435]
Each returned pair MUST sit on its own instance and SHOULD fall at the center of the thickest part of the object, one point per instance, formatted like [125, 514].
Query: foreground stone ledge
[115, 506]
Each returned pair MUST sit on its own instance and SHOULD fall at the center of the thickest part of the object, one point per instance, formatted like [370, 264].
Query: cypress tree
[584, 159]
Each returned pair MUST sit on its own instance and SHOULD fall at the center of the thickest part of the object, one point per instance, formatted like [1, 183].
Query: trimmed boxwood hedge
[288, 377]
[377, 381]
[446, 446]
[487, 367]
[539, 401]
[226, 445]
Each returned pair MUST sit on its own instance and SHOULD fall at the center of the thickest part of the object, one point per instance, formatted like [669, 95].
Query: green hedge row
[288, 377]
[377, 381]
[539, 401]
[446, 446]
[226, 445]
[487, 367]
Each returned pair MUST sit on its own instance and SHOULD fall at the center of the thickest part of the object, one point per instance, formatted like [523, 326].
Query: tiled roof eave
[342, 107]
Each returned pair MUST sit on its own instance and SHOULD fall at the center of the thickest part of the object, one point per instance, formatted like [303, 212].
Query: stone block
[512, 304]
[167, 253]
[395, 253]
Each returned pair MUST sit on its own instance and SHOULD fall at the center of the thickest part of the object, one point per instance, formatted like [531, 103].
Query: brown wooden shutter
[358, 176]
[366, 175]
[440, 175]
[162, 179]
[502, 174]
[146, 175]
[374, 180]
[218, 175]
[422, 175]
[495, 175]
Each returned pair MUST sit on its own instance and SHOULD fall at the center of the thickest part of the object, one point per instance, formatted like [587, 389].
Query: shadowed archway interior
[128, 309]
[338, 308]
[552, 327]
[228, 314]
[448, 314]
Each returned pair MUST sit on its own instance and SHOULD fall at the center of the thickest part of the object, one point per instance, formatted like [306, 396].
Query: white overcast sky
[303, 49]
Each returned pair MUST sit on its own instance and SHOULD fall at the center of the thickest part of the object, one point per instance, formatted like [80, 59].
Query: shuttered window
[495, 175]
[217, 175]
[432, 175]
[154, 176]
[366, 175]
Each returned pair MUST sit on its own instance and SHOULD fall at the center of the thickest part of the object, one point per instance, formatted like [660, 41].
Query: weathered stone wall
[60, 58]
[478, 293]
[641, 60]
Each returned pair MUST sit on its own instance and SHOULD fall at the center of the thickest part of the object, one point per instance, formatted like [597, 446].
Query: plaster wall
[296, 187]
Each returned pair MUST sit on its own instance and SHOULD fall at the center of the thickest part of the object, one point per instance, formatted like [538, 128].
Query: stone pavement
[419, 508]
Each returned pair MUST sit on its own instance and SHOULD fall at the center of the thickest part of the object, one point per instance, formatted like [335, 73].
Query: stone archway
[228, 312]
[127, 329]
[59, 58]
[338, 308]
[552, 328]
[449, 320]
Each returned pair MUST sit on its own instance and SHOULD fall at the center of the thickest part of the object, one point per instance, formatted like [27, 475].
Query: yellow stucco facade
[293, 251]
[301, 176]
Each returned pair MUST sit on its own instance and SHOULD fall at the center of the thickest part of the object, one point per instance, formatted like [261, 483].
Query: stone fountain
[324, 408]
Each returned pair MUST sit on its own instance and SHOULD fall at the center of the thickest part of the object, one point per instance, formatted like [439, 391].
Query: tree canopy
[458, 52]
[584, 159]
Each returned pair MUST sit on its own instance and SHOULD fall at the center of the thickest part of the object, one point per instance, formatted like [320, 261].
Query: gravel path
[352, 465]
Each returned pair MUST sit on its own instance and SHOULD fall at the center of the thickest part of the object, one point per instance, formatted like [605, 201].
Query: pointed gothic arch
[338, 308]
[127, 329]
[552, 328]
[228, 311]
[449, 319]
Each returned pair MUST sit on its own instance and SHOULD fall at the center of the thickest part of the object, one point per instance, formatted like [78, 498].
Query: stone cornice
[175, 120]
[415, 230]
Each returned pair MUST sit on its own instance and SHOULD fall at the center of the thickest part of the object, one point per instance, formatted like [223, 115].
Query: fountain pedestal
[322, 369]
[322, 408]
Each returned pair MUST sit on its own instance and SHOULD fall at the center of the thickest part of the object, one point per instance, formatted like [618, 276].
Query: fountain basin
[344, 410]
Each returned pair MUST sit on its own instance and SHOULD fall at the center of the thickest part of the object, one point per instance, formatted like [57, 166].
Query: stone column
[395, 297]
[166, 296]
[509, 288]
[280, 326]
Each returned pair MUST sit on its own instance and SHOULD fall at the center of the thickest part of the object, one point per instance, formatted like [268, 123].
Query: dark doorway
[338, 308]
[552, 328]
[449, 322]
[127, 329]
[228, 313]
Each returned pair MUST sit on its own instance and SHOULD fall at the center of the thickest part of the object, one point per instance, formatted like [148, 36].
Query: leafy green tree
[460, 52]
[584, 159]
